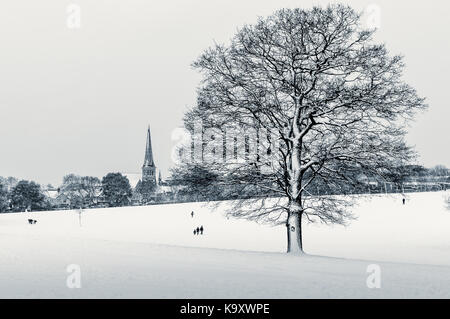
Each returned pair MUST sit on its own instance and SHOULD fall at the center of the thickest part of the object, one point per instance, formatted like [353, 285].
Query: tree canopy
[116, 189]
[27, 195]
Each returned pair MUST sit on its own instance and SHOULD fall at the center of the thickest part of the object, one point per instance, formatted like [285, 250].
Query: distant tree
[417, 170]
[72, 191]
[198, 182]
[402, 173]
[92, 189]
[4, 203]
[27, 195]
[116, 190]
[9, 182]
[80, 191]
[12, 181]
[333, 101]
[146, 190]
[439, 170]
[136, 195]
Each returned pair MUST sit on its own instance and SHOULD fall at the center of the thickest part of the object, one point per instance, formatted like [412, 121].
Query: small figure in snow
[404, 201]
[201, 230]
[195, 232]
[30, 221]
[192, 214]
[198, 230]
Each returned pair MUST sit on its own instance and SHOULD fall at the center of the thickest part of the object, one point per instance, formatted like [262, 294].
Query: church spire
[148, 161]
[149, 169]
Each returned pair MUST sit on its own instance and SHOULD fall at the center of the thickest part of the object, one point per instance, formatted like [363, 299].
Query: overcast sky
[78, 100]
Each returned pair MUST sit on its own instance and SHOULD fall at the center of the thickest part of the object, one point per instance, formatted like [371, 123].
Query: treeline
[420, 173]
[195, 184]
[200, 183]
[75, 192]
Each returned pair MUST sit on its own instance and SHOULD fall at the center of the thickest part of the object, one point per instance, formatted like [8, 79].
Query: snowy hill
[147, 252]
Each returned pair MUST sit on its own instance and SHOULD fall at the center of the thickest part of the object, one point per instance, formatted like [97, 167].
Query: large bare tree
[335, 100]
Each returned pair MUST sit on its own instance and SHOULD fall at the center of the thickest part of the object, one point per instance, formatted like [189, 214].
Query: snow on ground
[151, 252]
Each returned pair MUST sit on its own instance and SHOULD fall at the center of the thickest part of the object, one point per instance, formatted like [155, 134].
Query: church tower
[149, 168]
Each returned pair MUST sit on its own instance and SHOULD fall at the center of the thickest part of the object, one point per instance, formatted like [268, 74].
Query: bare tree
[92, 187]
[335, 101]
[80, 191]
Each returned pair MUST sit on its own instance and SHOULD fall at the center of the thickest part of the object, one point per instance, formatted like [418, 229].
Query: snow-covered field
[151, 252]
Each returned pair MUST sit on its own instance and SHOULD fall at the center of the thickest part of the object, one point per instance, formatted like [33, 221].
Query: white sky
[79, 100]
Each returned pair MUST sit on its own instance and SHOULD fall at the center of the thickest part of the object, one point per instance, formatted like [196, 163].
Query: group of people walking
[198, 230]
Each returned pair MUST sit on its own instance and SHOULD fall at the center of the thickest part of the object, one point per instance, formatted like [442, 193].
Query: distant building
[149, 168]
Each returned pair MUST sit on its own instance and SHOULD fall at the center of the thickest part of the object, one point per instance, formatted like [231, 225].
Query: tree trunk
[294, 230]
[294, 221]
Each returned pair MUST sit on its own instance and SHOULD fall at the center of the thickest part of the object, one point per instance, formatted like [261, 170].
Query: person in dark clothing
[404, 201]
[201, 230]
[195, 232]
[192, 214]
[198, 230]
